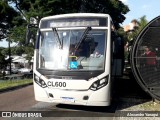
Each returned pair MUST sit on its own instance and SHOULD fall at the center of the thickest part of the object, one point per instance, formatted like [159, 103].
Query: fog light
[85, 98]
[51, 95]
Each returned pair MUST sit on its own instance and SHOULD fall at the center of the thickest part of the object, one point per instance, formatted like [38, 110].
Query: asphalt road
[22, 100]
[17, 100]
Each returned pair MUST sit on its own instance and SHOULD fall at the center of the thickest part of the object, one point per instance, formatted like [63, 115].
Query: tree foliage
[9, 18]
[42, 8]
[130, 36]
[141, 23]
[15, 16]
[115, 8]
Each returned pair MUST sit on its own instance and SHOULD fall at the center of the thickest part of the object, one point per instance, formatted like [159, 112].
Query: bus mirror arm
[29, 35]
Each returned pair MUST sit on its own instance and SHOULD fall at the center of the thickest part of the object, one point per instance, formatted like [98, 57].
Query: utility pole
[9, 53]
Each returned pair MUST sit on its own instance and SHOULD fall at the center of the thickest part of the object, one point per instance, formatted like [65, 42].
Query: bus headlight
[39, 81]
[99, 84]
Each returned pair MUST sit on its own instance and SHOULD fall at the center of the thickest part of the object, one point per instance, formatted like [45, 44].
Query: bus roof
[76, 20]
[76, 15]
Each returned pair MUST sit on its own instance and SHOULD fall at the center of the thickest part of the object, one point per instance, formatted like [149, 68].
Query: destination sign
[74, 22]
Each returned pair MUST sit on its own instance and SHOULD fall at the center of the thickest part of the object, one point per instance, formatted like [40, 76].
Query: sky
[4, 43]
[138, 8]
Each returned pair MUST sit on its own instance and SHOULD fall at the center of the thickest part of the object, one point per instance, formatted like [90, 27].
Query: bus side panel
[118, 58]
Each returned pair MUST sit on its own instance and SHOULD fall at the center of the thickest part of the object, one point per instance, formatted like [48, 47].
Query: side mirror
[33, 23]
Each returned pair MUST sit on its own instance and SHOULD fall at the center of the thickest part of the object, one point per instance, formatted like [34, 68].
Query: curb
[14, 88]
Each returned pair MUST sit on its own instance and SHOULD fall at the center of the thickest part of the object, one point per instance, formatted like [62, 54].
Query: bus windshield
[89, 55]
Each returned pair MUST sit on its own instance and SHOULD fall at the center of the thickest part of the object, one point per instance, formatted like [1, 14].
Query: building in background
[21, 62]
[131, 26]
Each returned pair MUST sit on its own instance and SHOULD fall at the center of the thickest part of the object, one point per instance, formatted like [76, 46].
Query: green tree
[12, 28]
[130, 36]
[8, 18]
[42, 8]
[115, 8]
[141, 23]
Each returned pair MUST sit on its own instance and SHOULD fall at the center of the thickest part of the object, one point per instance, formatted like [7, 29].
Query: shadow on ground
[129, 93]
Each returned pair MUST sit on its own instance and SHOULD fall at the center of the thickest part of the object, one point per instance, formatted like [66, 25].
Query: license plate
[67, 99]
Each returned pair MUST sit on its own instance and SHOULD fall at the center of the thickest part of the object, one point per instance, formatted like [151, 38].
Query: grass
[12, 83]
[151, 106]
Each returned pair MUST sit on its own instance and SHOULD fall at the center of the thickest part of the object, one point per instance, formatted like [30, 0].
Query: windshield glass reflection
[89, 55]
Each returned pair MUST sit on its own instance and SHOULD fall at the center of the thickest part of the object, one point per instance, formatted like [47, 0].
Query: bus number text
[56, 84]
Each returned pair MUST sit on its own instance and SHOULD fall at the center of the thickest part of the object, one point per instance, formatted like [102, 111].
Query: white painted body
[76, 90]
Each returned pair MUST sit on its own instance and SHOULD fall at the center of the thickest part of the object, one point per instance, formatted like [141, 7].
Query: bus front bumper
[88, 98]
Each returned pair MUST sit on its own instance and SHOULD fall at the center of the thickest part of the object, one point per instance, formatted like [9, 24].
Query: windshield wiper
[83, 37]
[58, 39]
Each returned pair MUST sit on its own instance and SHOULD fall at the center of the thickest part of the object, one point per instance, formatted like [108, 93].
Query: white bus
[74, 58]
